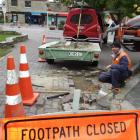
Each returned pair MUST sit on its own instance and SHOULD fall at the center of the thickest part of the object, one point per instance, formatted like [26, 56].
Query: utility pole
[4, 11]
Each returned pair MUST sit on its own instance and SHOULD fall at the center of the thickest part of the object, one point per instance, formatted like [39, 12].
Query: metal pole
[47, 19]
[4, 17]
[78, 30]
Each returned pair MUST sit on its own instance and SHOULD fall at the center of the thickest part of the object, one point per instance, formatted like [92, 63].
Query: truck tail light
[138, 32]
[41, 52]
[96, 55]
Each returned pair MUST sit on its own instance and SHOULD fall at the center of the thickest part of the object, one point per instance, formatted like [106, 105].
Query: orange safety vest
[116, 60]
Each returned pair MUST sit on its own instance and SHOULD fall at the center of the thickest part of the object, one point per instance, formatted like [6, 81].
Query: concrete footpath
[54, 78]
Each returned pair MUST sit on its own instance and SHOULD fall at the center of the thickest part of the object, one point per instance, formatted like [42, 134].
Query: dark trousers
[114, 76]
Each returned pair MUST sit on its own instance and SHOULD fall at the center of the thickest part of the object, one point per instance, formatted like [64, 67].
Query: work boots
[116, 90]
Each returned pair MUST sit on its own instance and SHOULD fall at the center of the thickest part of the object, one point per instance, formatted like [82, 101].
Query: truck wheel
[137, 46]
[95, 63]
[50, 61]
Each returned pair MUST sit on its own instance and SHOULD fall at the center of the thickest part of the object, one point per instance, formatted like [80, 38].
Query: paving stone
[115, 104]
[30, 114]
[94, 73]
[55, 105]
[78, 73]
[41, 100]
[71, 73]
[2, 110]
[125, 105]
[88, 79]
[33, 109]
[84, 106]
[87, 75]
[64, 68]
[104, 101]
[50, 110]
[40, 111]
[67, 98]
[67, 107]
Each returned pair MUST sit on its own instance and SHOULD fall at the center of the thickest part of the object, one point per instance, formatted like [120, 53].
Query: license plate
[75, 54]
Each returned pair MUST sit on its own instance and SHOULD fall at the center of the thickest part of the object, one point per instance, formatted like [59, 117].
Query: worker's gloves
[108, 67]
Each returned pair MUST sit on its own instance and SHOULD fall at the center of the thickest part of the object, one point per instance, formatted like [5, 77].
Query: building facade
[32, 11]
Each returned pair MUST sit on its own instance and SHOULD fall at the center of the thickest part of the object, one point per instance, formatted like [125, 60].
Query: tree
[126, 7]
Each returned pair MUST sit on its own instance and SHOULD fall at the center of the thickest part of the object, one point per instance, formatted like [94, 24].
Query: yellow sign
[83, 126]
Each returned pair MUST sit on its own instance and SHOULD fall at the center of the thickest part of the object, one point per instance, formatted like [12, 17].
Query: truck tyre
[95, 63]
[50, 61]
[137, 46]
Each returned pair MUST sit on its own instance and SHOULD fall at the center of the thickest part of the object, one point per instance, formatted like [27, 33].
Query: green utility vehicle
[82, 35]
[69, 50]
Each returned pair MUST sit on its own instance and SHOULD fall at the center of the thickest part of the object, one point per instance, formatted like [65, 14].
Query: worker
[119, 70]
[110, 21]
[108, 36]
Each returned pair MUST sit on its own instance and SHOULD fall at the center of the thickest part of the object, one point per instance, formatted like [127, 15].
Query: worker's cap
[116, 44]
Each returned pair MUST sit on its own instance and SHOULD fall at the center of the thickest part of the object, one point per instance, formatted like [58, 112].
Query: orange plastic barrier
[82, 126]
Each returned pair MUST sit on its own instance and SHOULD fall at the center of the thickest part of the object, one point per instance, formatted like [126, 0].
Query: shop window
[27, 3]
[14, 3]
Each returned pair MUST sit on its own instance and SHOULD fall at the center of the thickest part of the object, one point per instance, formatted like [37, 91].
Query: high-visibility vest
[116, 60]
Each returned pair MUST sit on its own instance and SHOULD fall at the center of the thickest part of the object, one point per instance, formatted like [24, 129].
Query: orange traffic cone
[44, 39]
[27, 94]
[13, 106]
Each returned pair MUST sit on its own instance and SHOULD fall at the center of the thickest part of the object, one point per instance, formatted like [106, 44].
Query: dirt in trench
[80, 82]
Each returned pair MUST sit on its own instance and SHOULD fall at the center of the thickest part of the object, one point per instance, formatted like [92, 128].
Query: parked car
[89, 29]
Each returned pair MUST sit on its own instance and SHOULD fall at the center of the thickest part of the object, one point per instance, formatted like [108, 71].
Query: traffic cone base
[41, 60]
[32, 100]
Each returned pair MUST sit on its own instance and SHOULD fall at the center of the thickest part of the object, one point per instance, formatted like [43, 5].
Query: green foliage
[126, 7]
[3, 37]
[61, 24]
[67, 2]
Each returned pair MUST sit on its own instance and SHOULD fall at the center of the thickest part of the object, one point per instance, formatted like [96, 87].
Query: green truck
[69, 50]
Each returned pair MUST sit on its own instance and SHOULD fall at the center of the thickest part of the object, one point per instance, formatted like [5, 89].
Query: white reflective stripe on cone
[24, 74]
[11, 77]
[13, 100]
[23, 59]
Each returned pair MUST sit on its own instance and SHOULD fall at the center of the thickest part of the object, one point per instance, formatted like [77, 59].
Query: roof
[62, 14]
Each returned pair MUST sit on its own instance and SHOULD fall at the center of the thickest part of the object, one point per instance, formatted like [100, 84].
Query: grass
[3, 37]
[4, 51]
